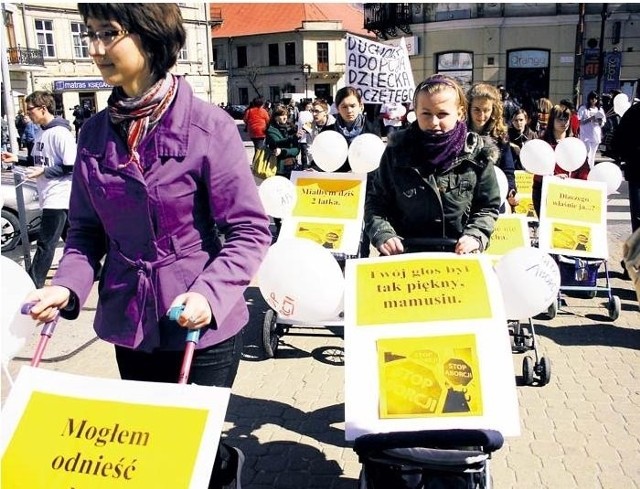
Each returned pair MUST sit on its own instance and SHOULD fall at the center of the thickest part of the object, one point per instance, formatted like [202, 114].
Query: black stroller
[439, 459]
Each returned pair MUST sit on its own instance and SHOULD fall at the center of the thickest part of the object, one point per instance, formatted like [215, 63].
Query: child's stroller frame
[581, 275]
[451, 459]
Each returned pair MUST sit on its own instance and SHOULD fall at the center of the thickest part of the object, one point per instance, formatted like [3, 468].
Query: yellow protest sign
[335, 198]
[510, 232]
[62, 442]
[420, 290]
[525, 207]
[573, 203]
[430, 376]
[524, 181]
[329, 235]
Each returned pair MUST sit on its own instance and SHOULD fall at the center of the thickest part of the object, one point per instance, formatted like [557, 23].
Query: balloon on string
[278, 196]
[411, 117]
[537, 157]
[621, 104]
[365, 152]
[608, 173]
[503, 183]
[16, 327]
[571, 153]
[301, 280]
[329, 150]
[529, 279]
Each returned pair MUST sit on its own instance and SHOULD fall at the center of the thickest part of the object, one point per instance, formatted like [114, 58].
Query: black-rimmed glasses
[106, 36]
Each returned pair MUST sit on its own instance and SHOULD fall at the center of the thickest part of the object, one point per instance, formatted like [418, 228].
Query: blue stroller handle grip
[193, 335]
[175, 311]
[48, 327]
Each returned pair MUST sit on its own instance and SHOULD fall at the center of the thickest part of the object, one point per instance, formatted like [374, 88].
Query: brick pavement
[582, 430]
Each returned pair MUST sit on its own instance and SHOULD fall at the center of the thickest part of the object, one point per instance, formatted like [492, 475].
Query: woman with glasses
[160, 176]
[592, 118]
[559, 127]
[321, 119]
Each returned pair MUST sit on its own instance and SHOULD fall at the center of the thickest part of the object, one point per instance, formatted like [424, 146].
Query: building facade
[554, 50]
[279, 51]
[45, 51]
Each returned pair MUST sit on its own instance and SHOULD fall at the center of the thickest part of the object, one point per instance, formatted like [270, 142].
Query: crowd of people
[156, 197]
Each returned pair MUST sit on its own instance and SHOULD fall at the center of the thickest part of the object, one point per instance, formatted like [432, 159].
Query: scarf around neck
[137, 116]
[439, 150]
[350, 133]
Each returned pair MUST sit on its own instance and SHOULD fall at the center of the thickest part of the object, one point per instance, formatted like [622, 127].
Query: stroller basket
[452, 459]
[578, 271]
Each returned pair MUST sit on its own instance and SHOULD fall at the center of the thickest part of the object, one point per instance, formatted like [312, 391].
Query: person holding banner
[160, 176]
[559, 128]
[436, 179]
[485, 118]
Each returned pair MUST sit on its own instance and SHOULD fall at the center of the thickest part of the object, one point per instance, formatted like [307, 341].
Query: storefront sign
[76, 84]
[612, 71]
[591, 63]
[528, 58]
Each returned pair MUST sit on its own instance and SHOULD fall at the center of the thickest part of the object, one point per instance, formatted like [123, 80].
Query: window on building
[274, 57]
[458, 65]
[44, 35]
[183, 55]
[243, 95]
[322, 52]
[274, 94]
[241, 52]
[290, 53]
[80, 48]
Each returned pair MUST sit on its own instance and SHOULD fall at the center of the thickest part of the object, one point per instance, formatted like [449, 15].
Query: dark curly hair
[159, 26]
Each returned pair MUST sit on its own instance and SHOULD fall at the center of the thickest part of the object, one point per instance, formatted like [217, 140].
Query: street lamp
[306, 71]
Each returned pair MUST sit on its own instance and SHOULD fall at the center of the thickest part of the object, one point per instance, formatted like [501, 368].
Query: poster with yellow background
[329, 209]
[64, 431]
[524, 184]
[426, 346]
[573, 219]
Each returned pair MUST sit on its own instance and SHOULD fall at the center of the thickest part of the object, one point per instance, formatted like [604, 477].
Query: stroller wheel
[614, 307]
[544, 370]
[270, 337]
[527, 370]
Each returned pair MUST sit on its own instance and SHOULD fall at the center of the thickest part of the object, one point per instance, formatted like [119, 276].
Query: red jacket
[256, 120]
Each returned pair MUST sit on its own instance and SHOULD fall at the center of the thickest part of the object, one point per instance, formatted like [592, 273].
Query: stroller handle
[415, 245]
[48, 328]
[488, 440]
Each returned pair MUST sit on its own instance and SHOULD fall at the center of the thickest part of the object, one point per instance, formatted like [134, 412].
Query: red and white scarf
[137, 116]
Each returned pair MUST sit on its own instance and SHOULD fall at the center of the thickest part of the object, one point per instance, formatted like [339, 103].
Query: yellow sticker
[328, 198]
[573, 203]
[507, 235]
[71, 443]
[525, 207]
[329, 235]
[421, 290]
[524, 181]
[571, 237]
[430, 376]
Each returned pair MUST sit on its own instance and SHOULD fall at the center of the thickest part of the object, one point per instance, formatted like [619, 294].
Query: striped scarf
[137, 116]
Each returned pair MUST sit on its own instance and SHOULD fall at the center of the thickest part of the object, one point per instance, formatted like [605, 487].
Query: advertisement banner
[611, 74]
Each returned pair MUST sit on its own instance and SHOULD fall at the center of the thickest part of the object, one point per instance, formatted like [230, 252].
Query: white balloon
[621, 104]
[278, 196]
[329, 150]
[365, 152]
[411, 117]
[537, 157]
[16, 327]
[571, 153]
[301, 280]
[503, 183]
[608, 173]
[529, 279]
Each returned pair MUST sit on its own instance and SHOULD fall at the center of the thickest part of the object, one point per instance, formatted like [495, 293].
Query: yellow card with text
[330, 198]
[511, 232]
[63, 431]
[429, 376]
[580, 204]
[406, 291]
[524, 181]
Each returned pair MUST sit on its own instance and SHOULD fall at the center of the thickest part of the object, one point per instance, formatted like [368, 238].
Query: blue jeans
[216, 365]
[53, 226]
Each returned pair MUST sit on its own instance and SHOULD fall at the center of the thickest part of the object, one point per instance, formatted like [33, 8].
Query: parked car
[10, 222]
[236, 111]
